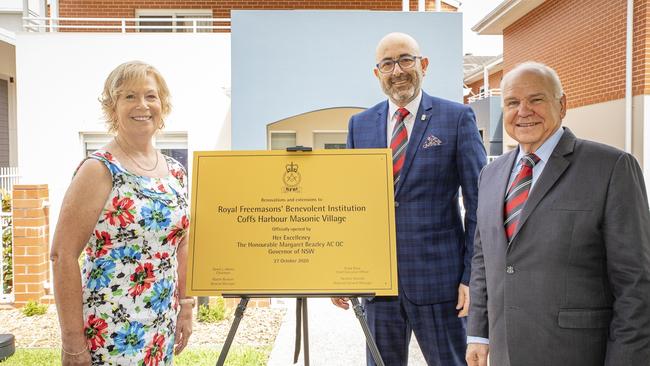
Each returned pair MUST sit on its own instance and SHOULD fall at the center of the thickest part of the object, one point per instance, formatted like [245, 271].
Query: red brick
[29, 278]
[30, 241]
[28, 203]
[585, 42]
[30, 222]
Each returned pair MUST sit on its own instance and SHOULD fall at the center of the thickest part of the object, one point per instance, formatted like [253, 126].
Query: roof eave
[506, 13]
[7, 36]
[495, 66]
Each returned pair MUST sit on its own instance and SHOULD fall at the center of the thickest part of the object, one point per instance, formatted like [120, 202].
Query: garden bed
[257, 329]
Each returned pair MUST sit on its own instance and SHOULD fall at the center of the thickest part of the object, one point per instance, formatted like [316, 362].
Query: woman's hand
[183, 328]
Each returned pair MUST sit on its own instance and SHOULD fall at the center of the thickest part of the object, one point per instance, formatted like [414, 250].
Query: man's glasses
[405, 62]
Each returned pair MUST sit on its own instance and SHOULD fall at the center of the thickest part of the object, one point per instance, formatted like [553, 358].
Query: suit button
[396, 204]
[510, 270]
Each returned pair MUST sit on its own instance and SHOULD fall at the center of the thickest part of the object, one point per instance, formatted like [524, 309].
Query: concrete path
[335, 337]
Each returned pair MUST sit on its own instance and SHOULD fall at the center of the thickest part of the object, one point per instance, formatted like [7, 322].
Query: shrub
[212, 314]
[34, 308]
[6, 257]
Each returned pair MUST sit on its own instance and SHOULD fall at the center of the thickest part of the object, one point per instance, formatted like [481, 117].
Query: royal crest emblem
[291, 178]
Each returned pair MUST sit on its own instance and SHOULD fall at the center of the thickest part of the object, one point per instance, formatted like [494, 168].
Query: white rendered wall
[61, 75]
[11, 21]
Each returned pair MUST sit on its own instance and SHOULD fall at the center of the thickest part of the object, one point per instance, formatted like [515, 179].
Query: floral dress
[130, 299]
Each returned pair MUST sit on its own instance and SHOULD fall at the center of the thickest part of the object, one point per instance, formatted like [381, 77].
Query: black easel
[302, 322]
[239, 313]
[302, 316]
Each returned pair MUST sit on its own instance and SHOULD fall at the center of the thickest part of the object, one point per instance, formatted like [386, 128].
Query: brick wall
[31, 238]
[221, 9]
[641, 47]
[584, 40]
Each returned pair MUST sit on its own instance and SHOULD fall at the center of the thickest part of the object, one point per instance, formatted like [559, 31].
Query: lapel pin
[424, 117]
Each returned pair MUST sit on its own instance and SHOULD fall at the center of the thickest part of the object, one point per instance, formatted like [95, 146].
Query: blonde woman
[127, 208]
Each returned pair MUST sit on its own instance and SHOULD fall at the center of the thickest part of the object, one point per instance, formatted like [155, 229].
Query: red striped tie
[398, 143]
[518, 194]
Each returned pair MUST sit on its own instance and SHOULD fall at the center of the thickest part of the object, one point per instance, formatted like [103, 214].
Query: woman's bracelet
[74, 353]
[188, 300]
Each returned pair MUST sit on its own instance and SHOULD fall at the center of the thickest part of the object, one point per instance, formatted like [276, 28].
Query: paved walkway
[335, 337]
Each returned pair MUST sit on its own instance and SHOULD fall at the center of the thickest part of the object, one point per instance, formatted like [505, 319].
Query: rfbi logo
[291, 178]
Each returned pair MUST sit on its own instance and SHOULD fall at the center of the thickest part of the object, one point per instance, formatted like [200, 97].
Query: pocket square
[431, 140]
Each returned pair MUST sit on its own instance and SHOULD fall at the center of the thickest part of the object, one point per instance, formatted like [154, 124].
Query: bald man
[437, 149]
[561, 270]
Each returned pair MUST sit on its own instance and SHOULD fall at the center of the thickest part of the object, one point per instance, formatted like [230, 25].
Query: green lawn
[242, 356]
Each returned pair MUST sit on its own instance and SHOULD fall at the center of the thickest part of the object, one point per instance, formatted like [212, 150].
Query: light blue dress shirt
[544, 153]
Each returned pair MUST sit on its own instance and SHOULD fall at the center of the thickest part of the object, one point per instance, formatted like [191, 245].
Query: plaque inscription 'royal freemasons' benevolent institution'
[292, 223]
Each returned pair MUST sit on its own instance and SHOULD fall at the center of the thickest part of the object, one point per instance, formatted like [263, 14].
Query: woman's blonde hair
[124, 75]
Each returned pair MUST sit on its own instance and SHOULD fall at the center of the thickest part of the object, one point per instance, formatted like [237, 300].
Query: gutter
[628, 76]
[506, 13]
[494, 65]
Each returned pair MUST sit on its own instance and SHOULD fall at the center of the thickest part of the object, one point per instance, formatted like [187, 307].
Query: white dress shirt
[412, 107]
[543, 153]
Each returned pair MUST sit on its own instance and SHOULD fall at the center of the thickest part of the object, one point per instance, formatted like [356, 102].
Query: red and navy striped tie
[518, 194]
[398, 143]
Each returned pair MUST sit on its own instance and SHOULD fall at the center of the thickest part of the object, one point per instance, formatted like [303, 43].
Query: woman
[127, 209]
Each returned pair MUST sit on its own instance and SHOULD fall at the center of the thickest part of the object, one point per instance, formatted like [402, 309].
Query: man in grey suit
[561, 265]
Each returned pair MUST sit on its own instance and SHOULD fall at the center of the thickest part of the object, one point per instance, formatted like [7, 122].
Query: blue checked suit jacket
[444, 152]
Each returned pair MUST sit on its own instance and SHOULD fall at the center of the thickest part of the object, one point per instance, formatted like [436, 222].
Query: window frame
[271, 133]
[174, 14]
[340, 132]
[166, 140]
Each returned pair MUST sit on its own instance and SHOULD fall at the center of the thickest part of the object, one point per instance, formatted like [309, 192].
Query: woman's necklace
[133, 160]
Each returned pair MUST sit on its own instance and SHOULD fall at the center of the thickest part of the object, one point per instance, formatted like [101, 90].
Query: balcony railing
[8, 177]
[484, 94]
[124, 25]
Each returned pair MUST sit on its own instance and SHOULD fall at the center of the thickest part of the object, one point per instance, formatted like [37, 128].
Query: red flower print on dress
[122, 211]
[141, 279]
[95, 329]
[155, 350]
[106, 155]
[102, 244]
[178, 174]
[178, 232]
[161, 188]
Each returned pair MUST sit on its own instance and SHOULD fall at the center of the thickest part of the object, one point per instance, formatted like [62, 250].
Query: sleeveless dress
[130, 299]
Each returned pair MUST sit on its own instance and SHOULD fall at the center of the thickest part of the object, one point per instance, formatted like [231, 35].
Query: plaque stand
[302, 316]
[302, 324]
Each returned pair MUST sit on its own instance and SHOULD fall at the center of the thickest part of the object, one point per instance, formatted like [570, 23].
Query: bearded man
[437, 149]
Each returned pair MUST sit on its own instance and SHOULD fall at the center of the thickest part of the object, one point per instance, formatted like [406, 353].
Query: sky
[473, 11]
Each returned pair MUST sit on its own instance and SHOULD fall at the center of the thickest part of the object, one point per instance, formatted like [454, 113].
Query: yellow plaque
[292, 223]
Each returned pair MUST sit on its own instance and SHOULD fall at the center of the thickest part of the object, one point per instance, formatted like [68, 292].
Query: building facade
[586, 41]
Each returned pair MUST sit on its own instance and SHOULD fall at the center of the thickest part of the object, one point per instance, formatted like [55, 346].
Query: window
[280, 140]
[176, 19]
[330, 139]
[172, 144]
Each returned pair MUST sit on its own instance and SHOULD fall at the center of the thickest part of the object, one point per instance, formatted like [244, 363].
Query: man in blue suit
[437, 149]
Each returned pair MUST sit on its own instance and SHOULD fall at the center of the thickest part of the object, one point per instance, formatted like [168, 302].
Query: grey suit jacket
[573, 285]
